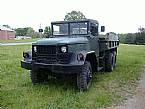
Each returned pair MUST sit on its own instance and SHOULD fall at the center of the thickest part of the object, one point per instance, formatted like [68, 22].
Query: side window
[94, 30]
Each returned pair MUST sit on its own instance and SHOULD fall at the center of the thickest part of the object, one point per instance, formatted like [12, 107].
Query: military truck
[75, 48]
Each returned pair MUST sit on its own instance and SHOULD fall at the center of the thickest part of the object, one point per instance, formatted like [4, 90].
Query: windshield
[78, 28]
[60, 29]
[70, 28]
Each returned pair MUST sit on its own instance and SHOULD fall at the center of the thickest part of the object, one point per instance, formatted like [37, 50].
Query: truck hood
[61, 41]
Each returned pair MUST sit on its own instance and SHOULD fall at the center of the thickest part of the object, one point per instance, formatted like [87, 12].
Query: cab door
[94, 39]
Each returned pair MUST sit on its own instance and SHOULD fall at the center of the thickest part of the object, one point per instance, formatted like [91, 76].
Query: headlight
[63, 49]
[35, 49]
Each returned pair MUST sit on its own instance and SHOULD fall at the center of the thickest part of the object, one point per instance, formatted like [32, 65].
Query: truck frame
[74, 48]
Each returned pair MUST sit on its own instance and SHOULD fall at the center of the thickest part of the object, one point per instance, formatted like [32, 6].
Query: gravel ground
[138, 100]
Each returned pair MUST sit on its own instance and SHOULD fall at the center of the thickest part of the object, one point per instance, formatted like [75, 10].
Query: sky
[120, 16]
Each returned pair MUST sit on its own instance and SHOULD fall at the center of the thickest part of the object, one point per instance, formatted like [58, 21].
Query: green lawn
[17, 41]
[17, 91]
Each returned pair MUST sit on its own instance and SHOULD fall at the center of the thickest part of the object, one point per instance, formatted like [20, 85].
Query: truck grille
[43, 49]
[50, 55]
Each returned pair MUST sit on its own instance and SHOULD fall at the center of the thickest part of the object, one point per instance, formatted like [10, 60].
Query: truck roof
[72, 21]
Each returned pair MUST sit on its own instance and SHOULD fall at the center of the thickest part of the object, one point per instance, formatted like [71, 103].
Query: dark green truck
[75, 48]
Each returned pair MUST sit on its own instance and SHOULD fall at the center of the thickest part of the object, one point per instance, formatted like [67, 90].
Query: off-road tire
[84, 78]
[38, 77]
[115, 58]
[109, 62]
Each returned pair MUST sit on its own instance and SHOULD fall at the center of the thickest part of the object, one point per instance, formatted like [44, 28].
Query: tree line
[30, 32]
[129, 38]
[133, 38]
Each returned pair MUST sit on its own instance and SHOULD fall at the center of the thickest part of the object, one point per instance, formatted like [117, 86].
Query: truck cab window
[94, 30]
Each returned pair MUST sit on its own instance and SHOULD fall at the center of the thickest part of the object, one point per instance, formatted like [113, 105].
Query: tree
[140, 36]
[47, 31]
[30, 32]
[122, 37]
[7, 26]
[141, 30]
[21, 31]
[130, 38]
[36, 35]
[74, 15]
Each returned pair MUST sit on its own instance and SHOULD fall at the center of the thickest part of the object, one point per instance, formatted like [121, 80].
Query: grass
[17, 91]
[17, 41]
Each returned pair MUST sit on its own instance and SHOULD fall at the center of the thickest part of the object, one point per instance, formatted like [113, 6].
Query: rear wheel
[109, 62]
[38, 76]
[115, 58]
[85, 77]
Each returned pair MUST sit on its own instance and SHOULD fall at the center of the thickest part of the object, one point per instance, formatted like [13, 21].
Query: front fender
[84, 54]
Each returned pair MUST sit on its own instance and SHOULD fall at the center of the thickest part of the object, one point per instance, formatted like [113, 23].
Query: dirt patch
[138, 100]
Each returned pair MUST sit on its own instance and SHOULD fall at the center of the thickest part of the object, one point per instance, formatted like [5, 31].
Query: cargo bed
[108, 41]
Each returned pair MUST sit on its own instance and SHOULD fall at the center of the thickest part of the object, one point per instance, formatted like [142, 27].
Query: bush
[132, 38]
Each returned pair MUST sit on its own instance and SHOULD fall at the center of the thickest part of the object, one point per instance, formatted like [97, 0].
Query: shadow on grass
[53, 83]
[63, 84]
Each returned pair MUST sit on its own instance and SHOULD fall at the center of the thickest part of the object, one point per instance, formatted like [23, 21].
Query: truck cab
[74, 48]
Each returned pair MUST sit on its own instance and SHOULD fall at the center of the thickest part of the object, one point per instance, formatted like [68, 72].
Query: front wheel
[85, 77]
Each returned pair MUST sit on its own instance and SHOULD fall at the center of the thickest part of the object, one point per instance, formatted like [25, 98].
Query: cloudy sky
[120, 16]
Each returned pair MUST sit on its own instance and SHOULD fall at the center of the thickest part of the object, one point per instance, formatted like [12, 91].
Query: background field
[17, 91]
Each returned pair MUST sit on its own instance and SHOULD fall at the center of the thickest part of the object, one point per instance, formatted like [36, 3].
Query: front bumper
[56, 68]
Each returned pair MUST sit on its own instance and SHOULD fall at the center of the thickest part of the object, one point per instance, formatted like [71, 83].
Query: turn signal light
[80, 57]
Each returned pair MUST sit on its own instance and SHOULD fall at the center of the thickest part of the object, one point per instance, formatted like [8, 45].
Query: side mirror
[40, 30]
[102, 28]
